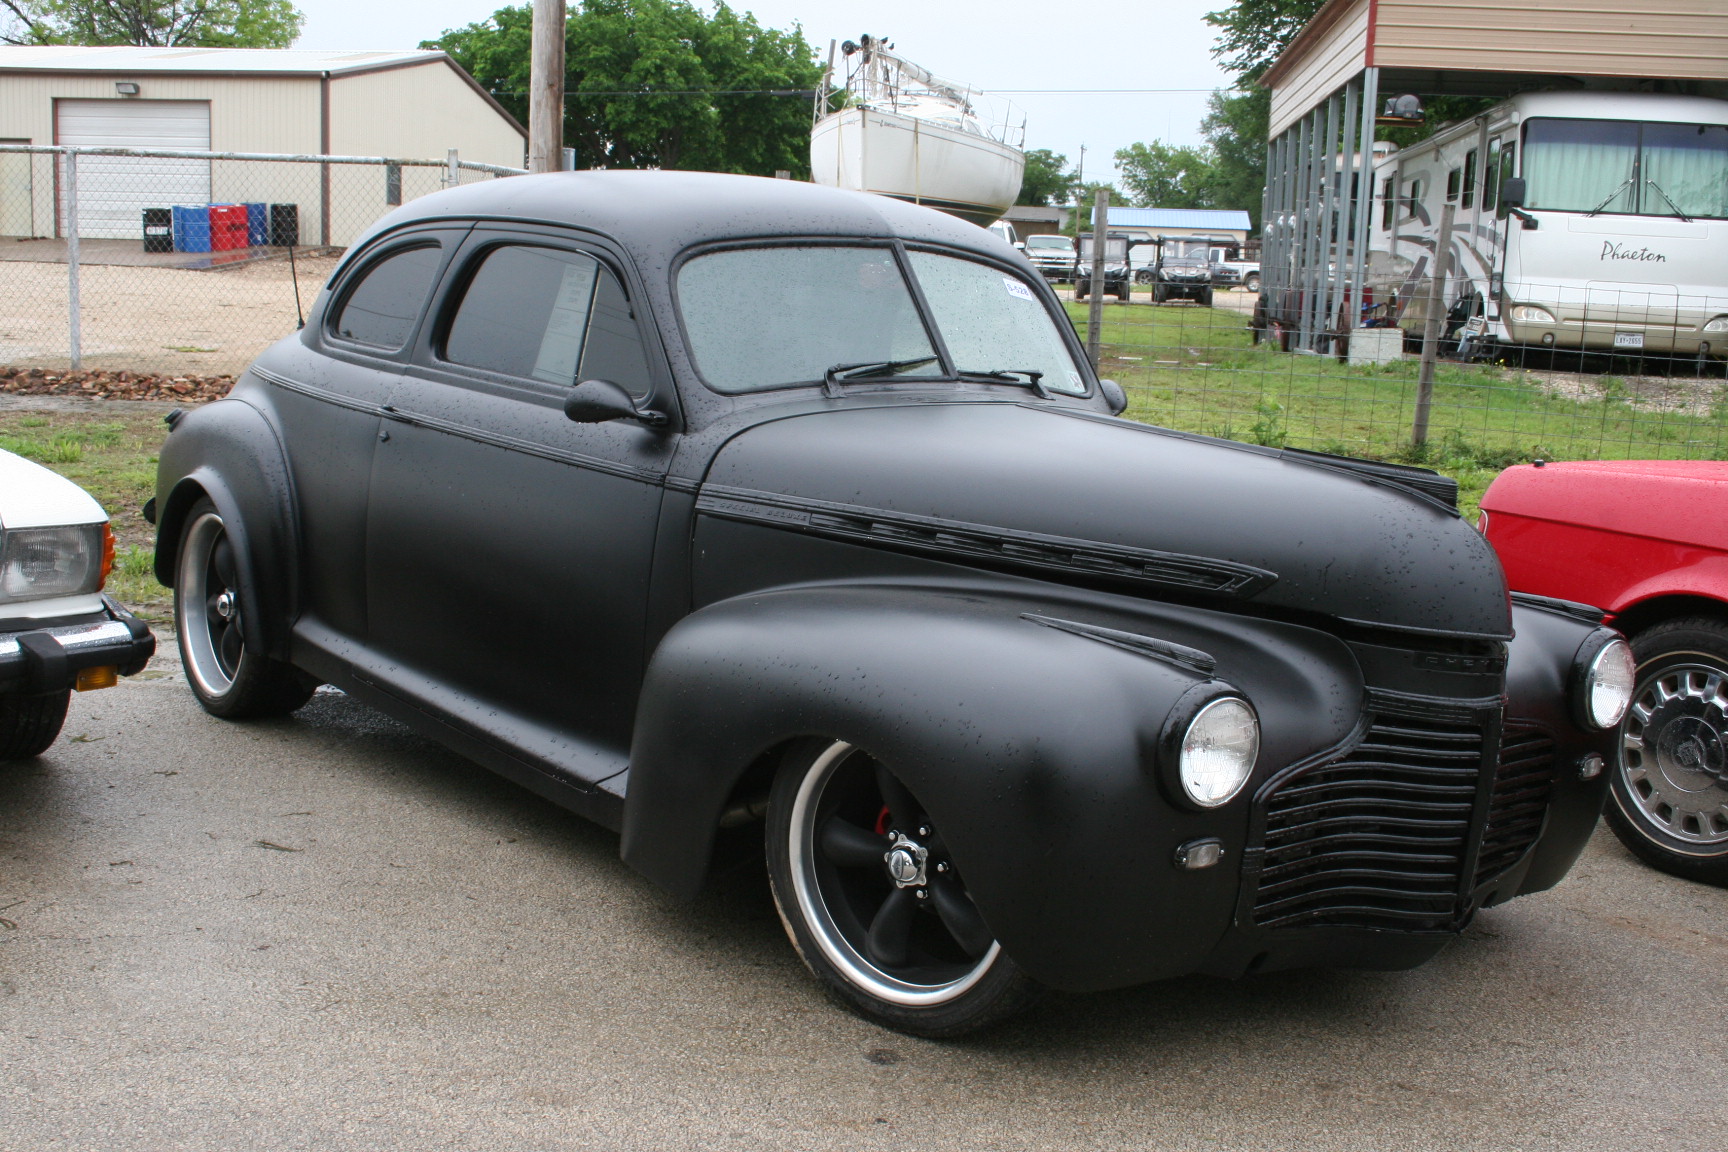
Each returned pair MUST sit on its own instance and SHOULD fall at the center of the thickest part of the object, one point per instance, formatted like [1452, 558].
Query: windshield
[1622, 166]
[761, 318]
[1115, 248]
[1065, 243]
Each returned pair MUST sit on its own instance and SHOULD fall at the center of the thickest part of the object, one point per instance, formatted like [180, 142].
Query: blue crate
[257, 224]
[192, 228]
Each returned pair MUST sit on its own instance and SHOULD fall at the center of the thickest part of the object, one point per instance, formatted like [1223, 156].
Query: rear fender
[1035, 750]
[230, 453]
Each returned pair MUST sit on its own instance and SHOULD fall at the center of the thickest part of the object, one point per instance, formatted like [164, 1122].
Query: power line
[810, 94]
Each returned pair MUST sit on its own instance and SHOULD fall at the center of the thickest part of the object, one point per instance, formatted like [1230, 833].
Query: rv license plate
[1628, 339]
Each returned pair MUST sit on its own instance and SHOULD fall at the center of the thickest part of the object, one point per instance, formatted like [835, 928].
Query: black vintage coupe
[693, 500]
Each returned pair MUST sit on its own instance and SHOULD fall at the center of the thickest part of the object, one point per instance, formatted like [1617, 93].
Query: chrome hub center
[225, 605]
[906, 859]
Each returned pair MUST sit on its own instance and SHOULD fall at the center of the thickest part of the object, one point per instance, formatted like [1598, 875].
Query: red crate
[227, 226]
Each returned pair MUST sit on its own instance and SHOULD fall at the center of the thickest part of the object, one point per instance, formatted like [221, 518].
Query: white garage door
[113, 191]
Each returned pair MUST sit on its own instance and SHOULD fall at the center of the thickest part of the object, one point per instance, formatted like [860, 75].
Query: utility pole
[546, 88]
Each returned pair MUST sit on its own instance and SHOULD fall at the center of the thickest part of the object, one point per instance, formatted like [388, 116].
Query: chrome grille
[1523, 783]
[1380, 837]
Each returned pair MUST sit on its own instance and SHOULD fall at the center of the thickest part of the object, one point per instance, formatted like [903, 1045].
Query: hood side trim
[983, 541]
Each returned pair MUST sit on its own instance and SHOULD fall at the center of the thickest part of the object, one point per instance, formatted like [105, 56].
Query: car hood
[1075, 495]
[31, 496]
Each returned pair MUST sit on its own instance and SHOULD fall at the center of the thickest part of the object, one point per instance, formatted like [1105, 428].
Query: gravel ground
[153, 320]
[326, 933]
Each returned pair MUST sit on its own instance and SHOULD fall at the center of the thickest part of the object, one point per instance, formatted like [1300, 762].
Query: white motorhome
[1586, 219]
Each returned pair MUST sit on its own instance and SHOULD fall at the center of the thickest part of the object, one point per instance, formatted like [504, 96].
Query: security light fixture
[1405, 109]
[126, 88]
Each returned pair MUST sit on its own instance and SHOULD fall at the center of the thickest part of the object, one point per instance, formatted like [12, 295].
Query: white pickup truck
[1234, 273]
[57, 631]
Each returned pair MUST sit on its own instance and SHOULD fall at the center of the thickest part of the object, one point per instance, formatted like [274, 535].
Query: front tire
[229, 677]
[874, 905]
[1670, 787]
[29, 724]
[1252, 283]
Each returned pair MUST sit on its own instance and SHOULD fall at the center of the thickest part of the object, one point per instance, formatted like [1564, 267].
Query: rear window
[382, 307]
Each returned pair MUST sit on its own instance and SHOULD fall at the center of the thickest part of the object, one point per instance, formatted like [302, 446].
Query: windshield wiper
[867, 369]
[1010, 376]
[1623, 186]
[1670, 200]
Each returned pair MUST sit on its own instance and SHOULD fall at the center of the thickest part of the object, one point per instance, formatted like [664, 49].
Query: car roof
[662, 213]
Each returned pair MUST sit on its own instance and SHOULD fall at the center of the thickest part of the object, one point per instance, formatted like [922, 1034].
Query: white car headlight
[1719, 324]
[1608, 684]
[1530, 314]
[1218, 751]
[39, 563]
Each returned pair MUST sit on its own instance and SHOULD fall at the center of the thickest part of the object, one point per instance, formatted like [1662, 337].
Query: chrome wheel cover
[813, 906]
[207, 609]
[1674, 753]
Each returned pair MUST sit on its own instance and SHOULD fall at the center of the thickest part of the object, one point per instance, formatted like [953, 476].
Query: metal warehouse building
[410, 105]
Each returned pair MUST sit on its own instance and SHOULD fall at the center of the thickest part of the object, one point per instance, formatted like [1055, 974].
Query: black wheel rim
[874, 885]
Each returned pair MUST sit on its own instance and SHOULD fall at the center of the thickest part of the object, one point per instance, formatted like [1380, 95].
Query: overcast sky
[1162, 48]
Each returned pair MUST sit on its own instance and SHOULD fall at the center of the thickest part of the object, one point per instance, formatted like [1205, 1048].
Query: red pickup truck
[1646, 541]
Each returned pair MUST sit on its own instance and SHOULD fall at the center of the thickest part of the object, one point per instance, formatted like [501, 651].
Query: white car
[57, 631]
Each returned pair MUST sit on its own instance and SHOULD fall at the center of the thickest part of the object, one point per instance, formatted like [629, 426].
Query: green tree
[658, 84]
[1081, 221]
[1235, 131]
[1048, 180]
[1167, 175]
[152, 23]
[1251, 33]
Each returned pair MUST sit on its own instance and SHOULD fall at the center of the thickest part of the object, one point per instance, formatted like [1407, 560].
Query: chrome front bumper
[48, 655]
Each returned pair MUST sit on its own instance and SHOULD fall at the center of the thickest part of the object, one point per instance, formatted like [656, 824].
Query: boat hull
[908, 158]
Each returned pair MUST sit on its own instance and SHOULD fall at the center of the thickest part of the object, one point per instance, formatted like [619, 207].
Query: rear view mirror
[597, 401]
[1114, 396]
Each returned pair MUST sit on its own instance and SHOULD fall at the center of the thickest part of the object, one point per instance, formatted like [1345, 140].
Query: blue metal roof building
[1181, 219]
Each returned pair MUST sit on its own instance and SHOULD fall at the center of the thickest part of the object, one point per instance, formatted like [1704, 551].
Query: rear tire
[1252, 283]
[30, 724]
[1669, 790]
[908, 950]
[1081, 287]
[229, 677]
[1205, 298]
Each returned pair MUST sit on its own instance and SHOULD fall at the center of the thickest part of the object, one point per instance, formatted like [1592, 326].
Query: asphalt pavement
[326, 933]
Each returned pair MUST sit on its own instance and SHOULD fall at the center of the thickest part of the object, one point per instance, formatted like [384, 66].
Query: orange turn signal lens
[90, 679]
[107, 567]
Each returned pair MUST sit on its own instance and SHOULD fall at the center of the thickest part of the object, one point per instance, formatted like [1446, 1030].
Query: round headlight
[1608, 684]
[1218, 751]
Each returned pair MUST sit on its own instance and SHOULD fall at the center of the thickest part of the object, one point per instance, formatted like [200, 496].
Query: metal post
[1346, 306]
[1364, 190]
[1325, 309]
[1431, 329]
[1095, 299]
[75, 337]
[546, 87]
[452, 170]
[1304, 238]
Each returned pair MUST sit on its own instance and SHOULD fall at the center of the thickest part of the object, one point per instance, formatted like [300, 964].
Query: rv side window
[1454, 181]
[1388, 202]
[1412, 198]
[1491, 175]
[1467, 195]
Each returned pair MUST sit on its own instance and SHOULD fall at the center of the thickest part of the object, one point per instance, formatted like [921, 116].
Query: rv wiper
[1671, 203]
[1623, 185]
[1010, 376]
[869, 368]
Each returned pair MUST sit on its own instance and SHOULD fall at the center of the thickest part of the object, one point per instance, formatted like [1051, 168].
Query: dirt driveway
[166, 320]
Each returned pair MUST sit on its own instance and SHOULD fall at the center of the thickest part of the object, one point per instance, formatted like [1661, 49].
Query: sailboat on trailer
[904, 133]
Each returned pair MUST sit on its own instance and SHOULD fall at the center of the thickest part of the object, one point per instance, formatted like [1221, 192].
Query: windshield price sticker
[1015, 288]
[1628, 339]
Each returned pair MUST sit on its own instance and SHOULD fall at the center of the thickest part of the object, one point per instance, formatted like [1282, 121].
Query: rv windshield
[1622, 166]
[776, 317]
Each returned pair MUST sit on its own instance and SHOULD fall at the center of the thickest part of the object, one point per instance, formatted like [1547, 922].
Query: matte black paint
[1001, 597]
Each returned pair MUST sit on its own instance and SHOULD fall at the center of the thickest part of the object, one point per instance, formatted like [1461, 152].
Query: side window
[1468, 197]
[1412, 198]
[381, 307]
[1388, 202]
[1454, 181]
[524, 313]
[1491, 175]
[548, 314]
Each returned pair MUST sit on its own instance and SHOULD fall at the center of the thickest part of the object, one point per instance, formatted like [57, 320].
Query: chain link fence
[188, 263]
[1221, 369]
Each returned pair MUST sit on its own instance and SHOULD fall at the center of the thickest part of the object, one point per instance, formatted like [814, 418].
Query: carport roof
[1222, 218]
[268, 61]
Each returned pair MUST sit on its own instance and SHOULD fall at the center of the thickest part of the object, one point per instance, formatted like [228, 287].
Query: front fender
[229, 452]
[1035, 749]
[1542, 697]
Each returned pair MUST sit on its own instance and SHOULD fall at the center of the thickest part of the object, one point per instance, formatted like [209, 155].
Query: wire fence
[1217, 365]
[176, 262]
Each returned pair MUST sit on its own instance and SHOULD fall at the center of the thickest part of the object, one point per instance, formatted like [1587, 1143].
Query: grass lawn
[1196, 369]
[112, 455]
